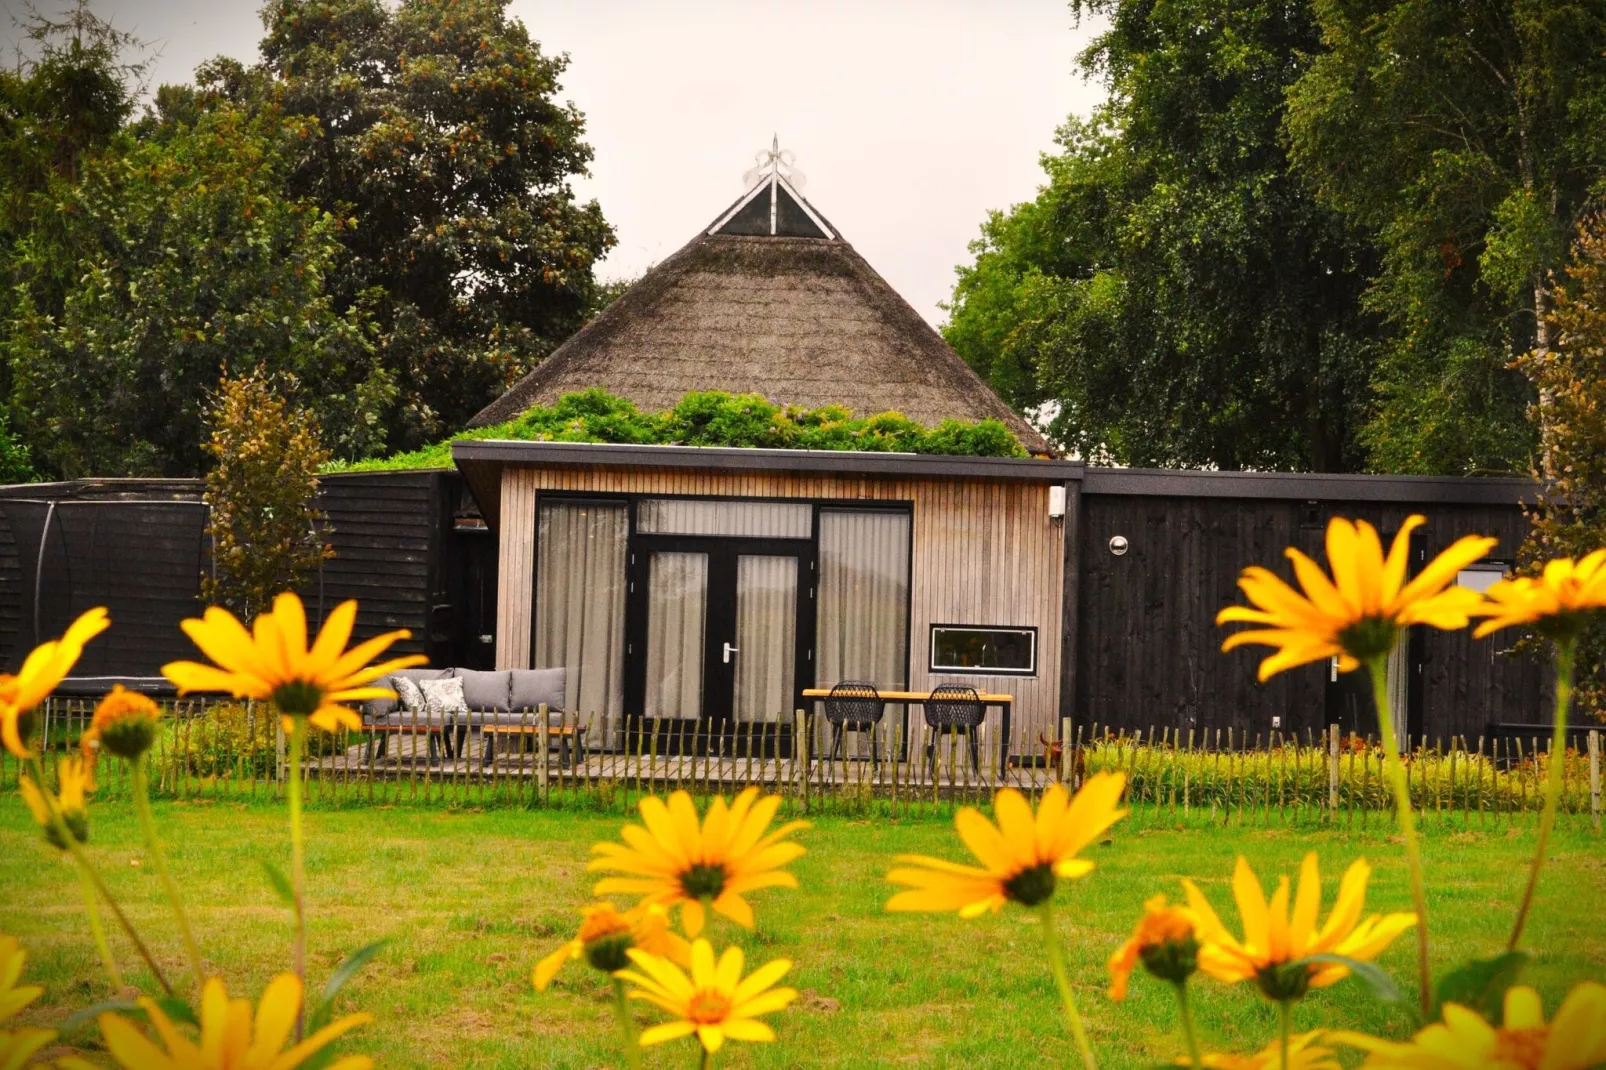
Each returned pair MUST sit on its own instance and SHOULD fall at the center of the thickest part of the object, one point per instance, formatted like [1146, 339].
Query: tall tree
[1173, 293]
[440, 140]
[1470, 137]
[170, 259]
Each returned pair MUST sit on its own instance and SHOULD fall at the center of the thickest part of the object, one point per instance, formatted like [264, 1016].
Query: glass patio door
[718, 623]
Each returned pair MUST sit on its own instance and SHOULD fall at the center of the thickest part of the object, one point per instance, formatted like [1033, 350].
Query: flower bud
[124, 724]
[70, 804]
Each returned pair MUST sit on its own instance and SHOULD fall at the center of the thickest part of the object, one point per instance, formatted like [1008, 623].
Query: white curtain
[766, 637]
[864, 598]
[692, 516]
[580, 608]
[1399, 684]
[677, 619]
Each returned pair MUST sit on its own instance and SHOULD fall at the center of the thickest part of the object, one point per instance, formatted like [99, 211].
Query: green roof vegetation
[715, 418]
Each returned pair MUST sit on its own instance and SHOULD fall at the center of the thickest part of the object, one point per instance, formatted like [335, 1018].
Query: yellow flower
[18, 1046]
[229, 1040]
[715, 1002]
[1273, 939]
[1163, 941]
[674, 861]
[1304, 1053]
[1573, 1040]
[1357, 614]
[46, 667]
[607, 934]
[71, 803]
[1558, 602]
[1022, 857]
[124, 724]
[273, 662]
[14, 997]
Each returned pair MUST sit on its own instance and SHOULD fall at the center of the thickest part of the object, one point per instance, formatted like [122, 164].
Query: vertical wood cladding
[1150, 650]
[984, 553]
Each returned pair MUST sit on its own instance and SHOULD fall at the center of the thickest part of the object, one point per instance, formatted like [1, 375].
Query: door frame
[716, 719]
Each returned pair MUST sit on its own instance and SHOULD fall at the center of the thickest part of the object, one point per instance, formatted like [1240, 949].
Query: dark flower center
[708, 1007]
[130, 736]
[1368, 638]
[1282, 982]
[703, 881]
[298, 698]
[1031, 886]
[25, 726]
[608, 953]
[1172, 960]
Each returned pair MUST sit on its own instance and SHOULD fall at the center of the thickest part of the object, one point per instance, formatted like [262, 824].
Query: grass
[470, 900]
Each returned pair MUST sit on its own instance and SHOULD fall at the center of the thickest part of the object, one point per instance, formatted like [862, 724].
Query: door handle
[729, 650]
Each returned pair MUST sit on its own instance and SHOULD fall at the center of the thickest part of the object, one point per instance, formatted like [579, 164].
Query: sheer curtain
[864, 598]
[766, 637]
[1399, 685]
[701, 516]
[580, 608]
[677, 620]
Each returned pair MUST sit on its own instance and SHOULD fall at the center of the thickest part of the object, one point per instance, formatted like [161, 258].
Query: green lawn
[471, 899]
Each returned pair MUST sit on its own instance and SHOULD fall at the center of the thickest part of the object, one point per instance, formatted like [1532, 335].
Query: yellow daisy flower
[1164, 941]
[1022, 857]
[1358, 613]
[19, 1045]
[272, 661]
[674, 860]
[229, 1038]
[715, 1001]
[1304, 1053]
[45, 667]
[1558, 602]
[70, 802]
[1574, 1040]
[1273, 939]
[606, 934]
[14, 997]
[124, 724]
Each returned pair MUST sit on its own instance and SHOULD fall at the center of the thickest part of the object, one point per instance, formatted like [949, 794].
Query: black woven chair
[854, 706]
[951, 709]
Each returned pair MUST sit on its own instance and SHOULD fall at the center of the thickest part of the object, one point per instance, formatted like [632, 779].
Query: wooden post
[1332, 772]
[802, 753]
[1594, 777]
[540, 750]
[1066, 759]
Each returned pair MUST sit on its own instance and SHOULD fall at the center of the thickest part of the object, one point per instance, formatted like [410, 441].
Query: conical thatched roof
[769, 300]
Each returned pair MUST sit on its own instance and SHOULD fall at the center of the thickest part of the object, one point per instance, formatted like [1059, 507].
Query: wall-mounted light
[1056, 502]
[1118, 545]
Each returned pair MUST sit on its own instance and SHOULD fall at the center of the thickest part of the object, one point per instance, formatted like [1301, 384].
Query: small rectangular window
[971, 648]
[1481, 575]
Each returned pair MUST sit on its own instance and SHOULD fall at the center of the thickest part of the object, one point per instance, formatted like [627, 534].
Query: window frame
[959, 670]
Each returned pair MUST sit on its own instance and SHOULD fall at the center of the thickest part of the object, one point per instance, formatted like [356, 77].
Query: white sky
[910, 118]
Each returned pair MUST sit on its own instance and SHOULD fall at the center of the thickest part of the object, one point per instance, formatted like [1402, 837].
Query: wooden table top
[908, 696]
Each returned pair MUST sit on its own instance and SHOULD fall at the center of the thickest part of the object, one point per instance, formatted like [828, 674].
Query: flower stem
[1056, 963]
[708, 1058]
[87, 869]
[1394, 768]
[1285, 1016]
[1186, 1014]
[298, 729]
[627, 1025]
[1565, 651]
[95, 929]
[147, 826]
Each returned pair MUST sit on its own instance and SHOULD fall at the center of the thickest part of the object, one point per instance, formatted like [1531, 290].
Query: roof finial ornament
[774, 161]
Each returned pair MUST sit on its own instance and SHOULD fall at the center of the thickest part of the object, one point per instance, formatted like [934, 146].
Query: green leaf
[89, 1014]
[324, 1011]
[280, 882]
[1376, 980]
[178, 1010]
[1481, 984]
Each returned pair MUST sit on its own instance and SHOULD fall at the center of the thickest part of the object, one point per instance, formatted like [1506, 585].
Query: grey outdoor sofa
[507, 700]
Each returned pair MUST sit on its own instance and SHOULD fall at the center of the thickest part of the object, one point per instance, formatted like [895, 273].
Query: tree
[261, 491]
[173, 257]
[440, 141]
[1470, 137]
[1569, 519]
[1173, 295]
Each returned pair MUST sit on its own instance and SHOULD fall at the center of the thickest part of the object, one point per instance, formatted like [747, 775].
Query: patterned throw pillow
[444, 699]
[412, 699]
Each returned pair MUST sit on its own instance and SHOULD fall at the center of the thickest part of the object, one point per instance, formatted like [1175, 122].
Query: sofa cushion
[444, 699]
[485, 690]
[382, 708]
[531, 687]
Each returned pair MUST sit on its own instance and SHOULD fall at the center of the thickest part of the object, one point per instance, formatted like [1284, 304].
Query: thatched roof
[753, 305]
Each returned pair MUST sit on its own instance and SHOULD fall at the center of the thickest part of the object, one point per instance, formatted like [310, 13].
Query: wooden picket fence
[535, 758]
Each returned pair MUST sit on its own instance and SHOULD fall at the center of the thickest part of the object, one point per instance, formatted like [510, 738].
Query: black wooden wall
[1149, 648]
